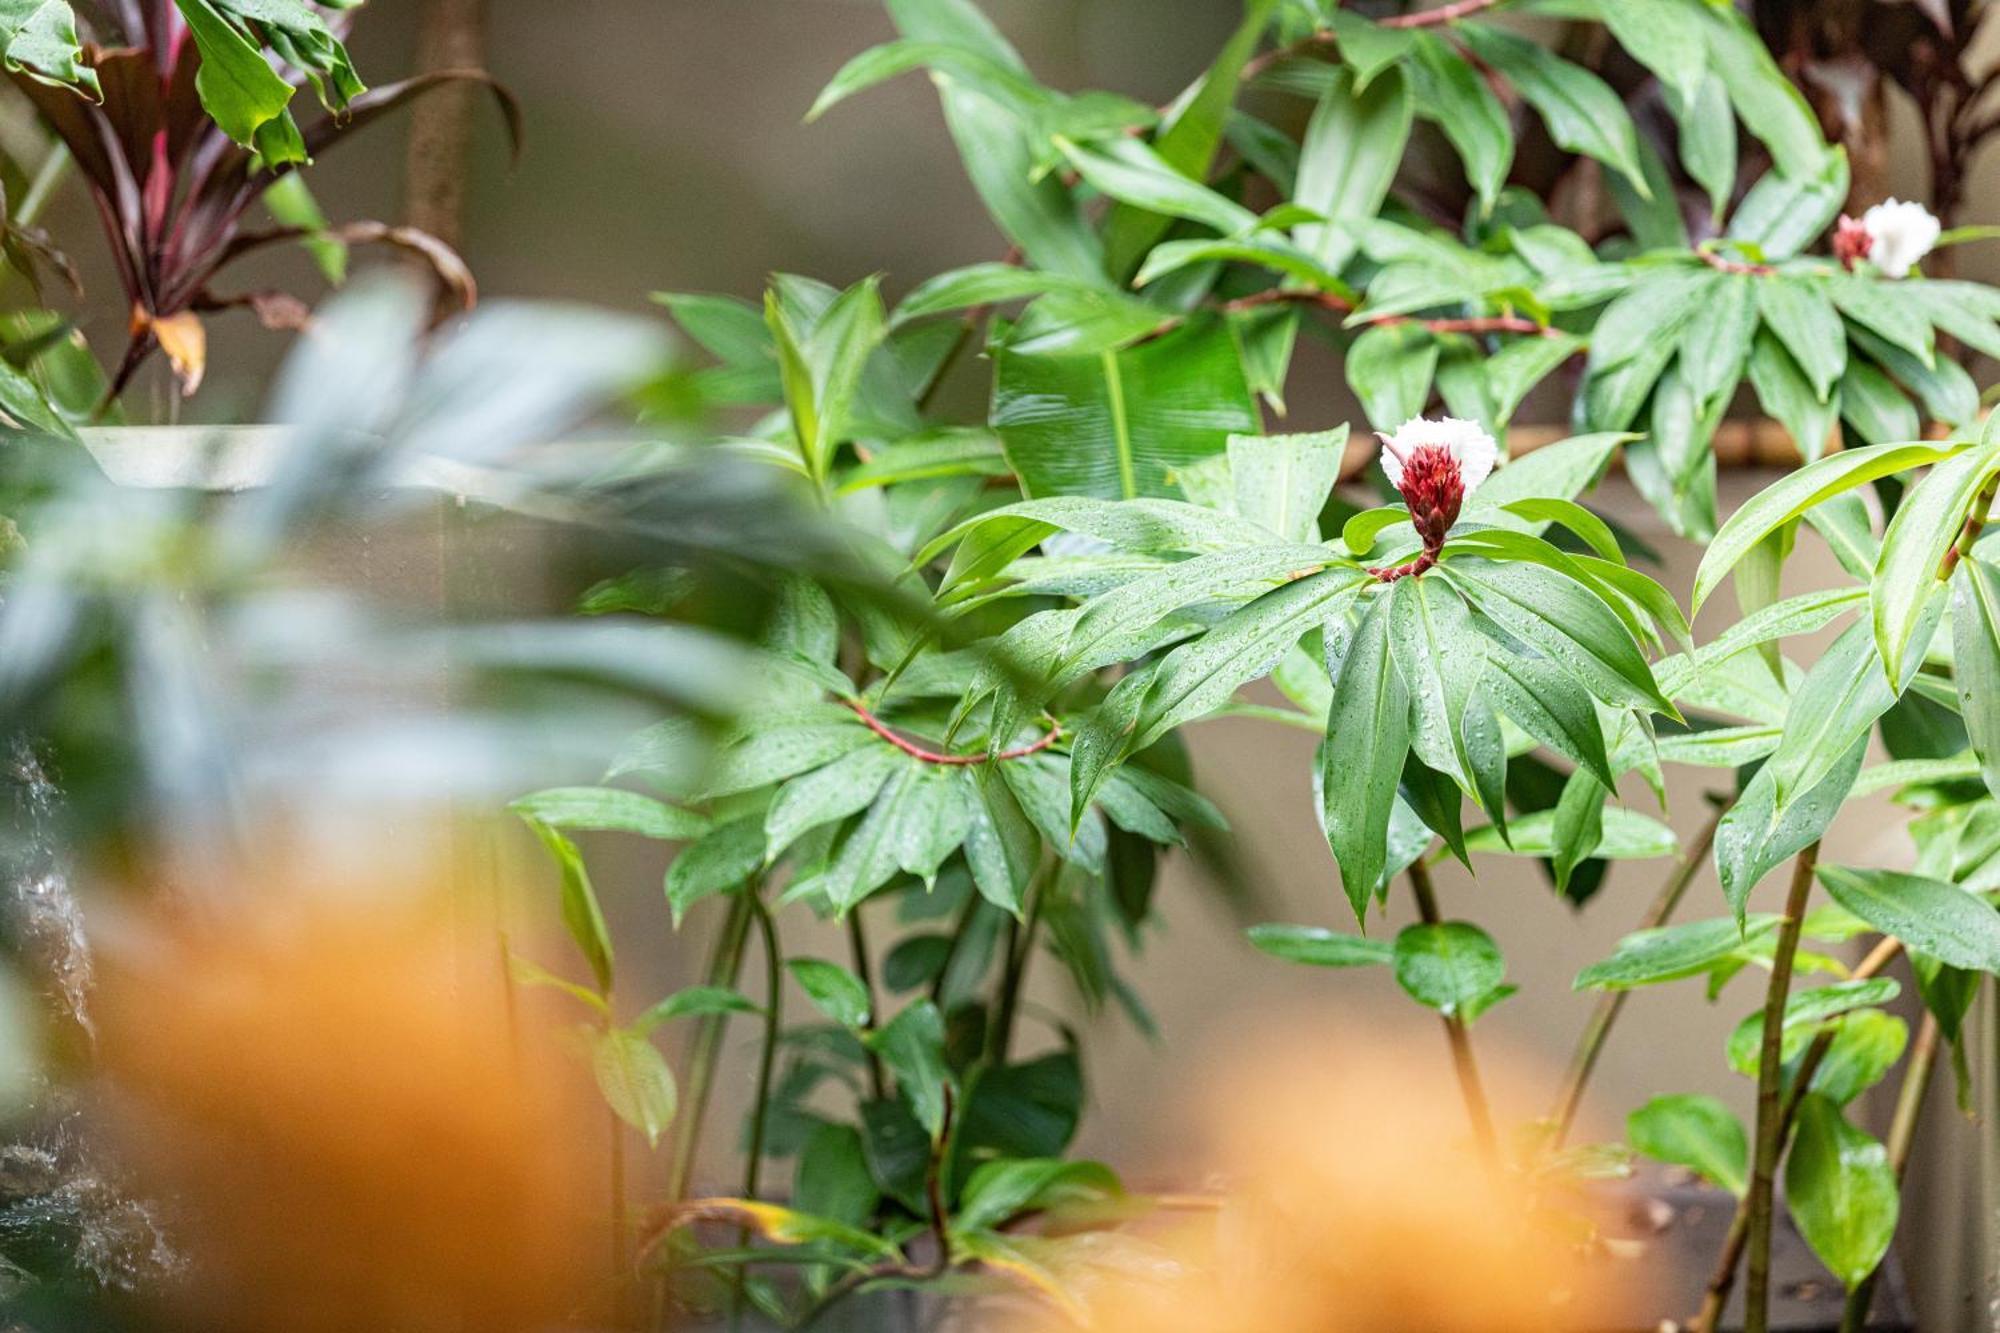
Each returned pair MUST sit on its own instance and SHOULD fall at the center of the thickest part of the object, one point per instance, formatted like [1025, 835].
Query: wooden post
[453, 36]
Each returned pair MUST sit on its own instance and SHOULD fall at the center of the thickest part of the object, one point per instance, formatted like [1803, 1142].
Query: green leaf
[1842, 1191]
[1562, 470]
[879, 64]
[996, 1192]
[1754, 837]
[1367, 47]
[694, 1002]
[1782, 215]
[1550, 706]
[846, 786]
[1567, 622]
[1316, 946]
[1708, 140]
[1035, 211]
[1514, 370]
[1002, 848]
[1697, 1132]
[832, 1179]
[1131, 172]
[1282, 481]
[238, 87]
[1928, 915]
[1874, 407]
[1577, 826]
[1804, 1012]
[1665, 36]
[1668, 953]
[1770, 107]
[1582, 112]
[609, 808]
[1362, 759]
[1447, 966]
[1785, 393]
[1625, 835]
[1832, 708]
[919, 817]
[1802, 316]
[1796, 492]
[635, 1080]
[527, 972]
[1881, 306]
[722, 860]
[1118, 425]
[835, 991]
[39, 37]
[1648, 318]
[1975, 624]
[1353, 147]
[912, 1046]
[581, 915]
[1926, 525]
[1866, 1045]
[1389, 367]
[979, 285]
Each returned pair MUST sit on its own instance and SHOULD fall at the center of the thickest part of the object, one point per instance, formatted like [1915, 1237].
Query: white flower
[1466, 441]
[1902, 234]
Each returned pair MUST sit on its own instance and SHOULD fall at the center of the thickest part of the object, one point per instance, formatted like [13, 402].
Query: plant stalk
[857, 939]
[1770, 1099]
[1975, 523]
[1724, 1276]
[1591, 1044]
[725, 961]
[1456, 1032]
[1902, 1136]
[1020, 948]
[767, 1059]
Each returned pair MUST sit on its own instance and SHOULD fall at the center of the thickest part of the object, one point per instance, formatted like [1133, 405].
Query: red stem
[916, 751]
[1431, 17]
[1333, 301]
[1716, 261]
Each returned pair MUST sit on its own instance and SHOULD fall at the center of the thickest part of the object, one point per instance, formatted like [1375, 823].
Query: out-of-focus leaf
[1698, 1132]
[1319, 947]
[1668, 953]
[635, 1080]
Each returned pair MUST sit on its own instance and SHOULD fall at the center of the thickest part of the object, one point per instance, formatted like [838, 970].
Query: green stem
[1771, 1100]
[1902, 1136]
[43, 187]
[1020, 947]
[1591, 1044]
[725, 960]
[857, 939]
[767, 1059]
[1456, 1032]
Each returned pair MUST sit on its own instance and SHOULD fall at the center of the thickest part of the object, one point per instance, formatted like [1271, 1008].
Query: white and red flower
[1900, 233]
[1435, 465]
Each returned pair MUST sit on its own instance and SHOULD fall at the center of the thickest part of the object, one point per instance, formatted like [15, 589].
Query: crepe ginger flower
[1436, 464]
[1899, 234]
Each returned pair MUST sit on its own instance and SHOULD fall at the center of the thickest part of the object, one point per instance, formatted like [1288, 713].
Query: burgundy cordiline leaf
[172, 189]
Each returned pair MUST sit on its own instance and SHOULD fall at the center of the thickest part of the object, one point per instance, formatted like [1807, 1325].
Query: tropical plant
[1119, 545]
[178, 115]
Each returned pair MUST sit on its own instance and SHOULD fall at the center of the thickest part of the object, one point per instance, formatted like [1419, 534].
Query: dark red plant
[172, 188]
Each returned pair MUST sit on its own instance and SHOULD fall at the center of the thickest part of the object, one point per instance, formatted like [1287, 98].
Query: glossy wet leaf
[1842, 1191]
[834, 990]
[1362, 759]
[1698, 1132]
[912, 1046]
[1929, 915]
[1668, 953]
[1316, 946]
[1448, 966]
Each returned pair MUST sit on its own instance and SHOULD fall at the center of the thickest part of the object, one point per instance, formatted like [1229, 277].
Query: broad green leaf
[1929, 915]
[833, 1180]
[1447, 966]
[979, 285]
[1650, 316]
[1436, 651]
[1133, 173]
[1666, 36]
[1037, 213]
[694, 1002]
[723, 859]
[1842, 1191]
[1874, 406]
[879, 64]
[1567, 622]
[1581, 111]
[1782, 214]
[1975, 624]
[836, 992]
[1190, 132]
[1798, 491]
[1802, 316]
[912, 1046]
[1866, 1045]
[1668, 953]
[1707, 128]
[1389, 367]
[581, 915]
[1367, 47]
[1316, 946]
[1721, 747]
[1714, 349]
[527, 972]
[238, 86]
[1784, 391]
[1549, 705]
[998, 1191]
[1362, 759]
[1562, 470]
[1926, 525]
[1832, 708]
[1514, 370]
[919, 817]
[1282, 481]
[1263, 249]
[1576, 828]
[1881, 306]
[1353, 147]
[1805, 1010]
[1697, 1132]
[635, 1080]
[1770, 107]
[1119, 424]
[39, 37]
[1754, 837]
[1002, 847]
[609, 808]
[1625, 835]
